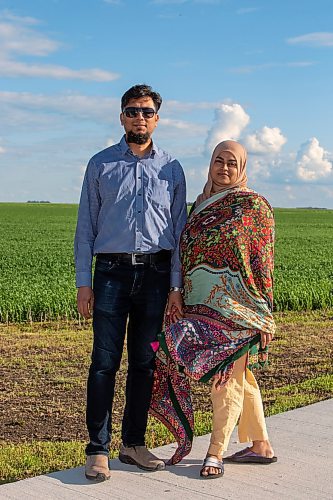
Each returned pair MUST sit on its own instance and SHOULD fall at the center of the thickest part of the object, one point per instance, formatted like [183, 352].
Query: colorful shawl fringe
[227, 262]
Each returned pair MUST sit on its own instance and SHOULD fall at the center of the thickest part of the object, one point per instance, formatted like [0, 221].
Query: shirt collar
[155, 150]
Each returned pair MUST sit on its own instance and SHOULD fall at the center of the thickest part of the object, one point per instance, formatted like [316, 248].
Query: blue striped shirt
[130, 204]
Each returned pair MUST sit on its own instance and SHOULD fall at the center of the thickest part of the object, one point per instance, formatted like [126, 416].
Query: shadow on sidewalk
[187, 468]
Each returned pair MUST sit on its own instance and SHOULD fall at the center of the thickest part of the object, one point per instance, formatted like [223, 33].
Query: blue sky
[260, 72]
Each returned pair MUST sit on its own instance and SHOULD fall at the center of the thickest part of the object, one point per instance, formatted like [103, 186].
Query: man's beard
[137, 138]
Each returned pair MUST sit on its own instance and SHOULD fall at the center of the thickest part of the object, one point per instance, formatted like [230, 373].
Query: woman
[227, 263]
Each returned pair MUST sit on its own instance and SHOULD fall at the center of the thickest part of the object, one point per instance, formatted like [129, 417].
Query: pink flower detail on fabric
[155, 345]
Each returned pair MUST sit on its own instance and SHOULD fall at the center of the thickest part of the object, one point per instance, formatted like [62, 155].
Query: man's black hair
[138, 91]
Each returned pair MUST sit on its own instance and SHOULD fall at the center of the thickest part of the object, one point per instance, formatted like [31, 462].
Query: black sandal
[247, 456]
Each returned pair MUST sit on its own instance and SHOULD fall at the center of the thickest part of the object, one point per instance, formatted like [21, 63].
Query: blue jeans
[138, 294]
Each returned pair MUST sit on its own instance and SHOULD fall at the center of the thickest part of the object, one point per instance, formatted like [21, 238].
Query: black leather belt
[136, 258]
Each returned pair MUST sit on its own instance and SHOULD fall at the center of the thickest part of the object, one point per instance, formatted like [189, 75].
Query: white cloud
[273, 168]
[19, 108]
[111, 142]
[230, 121]
[184, 126]
[94, 107]
[192, 173]
[173, 106]
[317, 39]
[82, 171]
[312, 162]
[257, 168]
[19, 69]
[18, 37]
[113, 2]
[2, 149]
[328, 191]
[87, 107]
[289, 192]
[7, 15]
[266, 140]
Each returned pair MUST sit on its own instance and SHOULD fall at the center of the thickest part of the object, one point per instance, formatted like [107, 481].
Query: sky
[260, 72]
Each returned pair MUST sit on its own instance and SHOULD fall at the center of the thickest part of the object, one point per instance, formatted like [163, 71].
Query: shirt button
[139, 211]
[139, 194]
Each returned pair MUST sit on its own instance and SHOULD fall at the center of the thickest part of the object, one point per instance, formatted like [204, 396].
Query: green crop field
[37, 267]
[303, 259]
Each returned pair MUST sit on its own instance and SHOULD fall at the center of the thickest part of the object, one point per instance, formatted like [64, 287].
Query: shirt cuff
[176, 279]
[83, 279]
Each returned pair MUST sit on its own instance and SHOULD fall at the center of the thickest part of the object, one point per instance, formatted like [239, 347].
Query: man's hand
[85, 301]
[175, 306]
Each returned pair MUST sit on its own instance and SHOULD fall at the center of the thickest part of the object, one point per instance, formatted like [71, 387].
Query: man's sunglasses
[132, 112]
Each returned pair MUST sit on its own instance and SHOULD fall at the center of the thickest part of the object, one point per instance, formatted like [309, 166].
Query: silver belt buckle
[134, 262]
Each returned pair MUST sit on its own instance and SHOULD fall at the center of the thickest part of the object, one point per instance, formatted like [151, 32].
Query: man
[132, 211]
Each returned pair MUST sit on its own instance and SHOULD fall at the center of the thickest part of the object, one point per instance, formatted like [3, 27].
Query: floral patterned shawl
[227, 263]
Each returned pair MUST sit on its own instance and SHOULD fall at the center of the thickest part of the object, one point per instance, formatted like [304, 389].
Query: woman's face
[224, 170]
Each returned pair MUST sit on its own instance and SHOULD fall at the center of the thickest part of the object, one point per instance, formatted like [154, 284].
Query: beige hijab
[240, 154]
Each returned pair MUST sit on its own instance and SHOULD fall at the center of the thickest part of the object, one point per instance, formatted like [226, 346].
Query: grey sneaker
[141, 457]
[97, 468]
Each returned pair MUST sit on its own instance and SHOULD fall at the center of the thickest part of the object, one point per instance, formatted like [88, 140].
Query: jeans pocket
[162, 267]
[105, 266]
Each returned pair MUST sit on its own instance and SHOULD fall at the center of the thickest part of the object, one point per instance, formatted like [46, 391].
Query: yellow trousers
[239, 398]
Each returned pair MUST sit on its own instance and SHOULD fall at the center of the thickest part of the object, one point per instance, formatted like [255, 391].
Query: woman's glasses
[132, 112]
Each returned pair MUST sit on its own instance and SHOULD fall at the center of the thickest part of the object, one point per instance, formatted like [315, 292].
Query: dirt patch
[44, 367]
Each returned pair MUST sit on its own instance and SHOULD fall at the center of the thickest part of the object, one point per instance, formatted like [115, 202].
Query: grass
[42, 425]
[31, 459]
[37, 266]
[22, 460]
[294, 396]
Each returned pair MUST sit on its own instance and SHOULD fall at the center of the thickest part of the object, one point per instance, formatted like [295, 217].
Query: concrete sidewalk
[303, 442]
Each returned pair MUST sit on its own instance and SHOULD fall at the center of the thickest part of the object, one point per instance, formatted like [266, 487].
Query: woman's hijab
[240, 155]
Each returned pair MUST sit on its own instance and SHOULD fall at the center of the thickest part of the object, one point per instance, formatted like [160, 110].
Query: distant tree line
[38, 201]
[311, 208]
